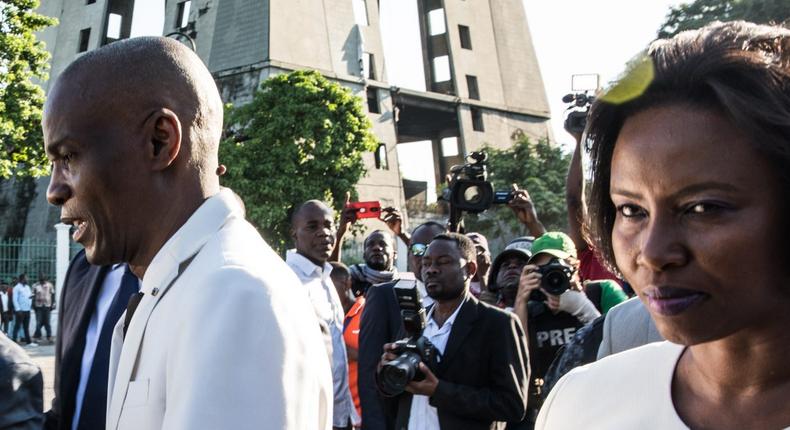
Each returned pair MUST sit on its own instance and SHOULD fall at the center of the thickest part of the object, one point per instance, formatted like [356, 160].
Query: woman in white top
[690, 156]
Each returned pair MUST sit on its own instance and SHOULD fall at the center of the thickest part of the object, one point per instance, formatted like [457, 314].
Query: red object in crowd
[591, 269]
[351, 337]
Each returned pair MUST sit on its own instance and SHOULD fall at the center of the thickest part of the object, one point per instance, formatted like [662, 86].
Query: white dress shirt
[23, 298]
[423, 416]
[327, 306]
[109, 288]
[4, 299]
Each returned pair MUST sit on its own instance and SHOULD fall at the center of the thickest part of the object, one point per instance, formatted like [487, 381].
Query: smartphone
[366, 209]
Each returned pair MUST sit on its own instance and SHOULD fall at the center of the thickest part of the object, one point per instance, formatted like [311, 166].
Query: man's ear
[163, 142]
[471, 268]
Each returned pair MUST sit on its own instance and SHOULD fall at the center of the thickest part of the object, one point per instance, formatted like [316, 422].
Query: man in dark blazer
[381, 323]
[92, 300]
[480, 379]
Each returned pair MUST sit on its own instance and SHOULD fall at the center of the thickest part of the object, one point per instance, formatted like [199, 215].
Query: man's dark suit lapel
[462, 325]
[82, 290]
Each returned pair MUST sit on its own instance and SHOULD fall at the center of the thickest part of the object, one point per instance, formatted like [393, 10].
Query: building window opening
[471, 85]
[114, 22]
[368, 65]
[436, 25]
[85, 37]
[441, 68]
[373, 100]
[477, 119]
[360, 12]
[465, 36]
[382, 163]
[90, 1]
[450, 147]
[182, 14]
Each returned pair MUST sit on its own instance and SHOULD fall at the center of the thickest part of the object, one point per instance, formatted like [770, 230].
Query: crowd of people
[178, 315]
[17, 300]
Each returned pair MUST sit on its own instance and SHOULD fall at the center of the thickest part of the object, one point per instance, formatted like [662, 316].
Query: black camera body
[470, 191]
[555, 278]
[411, 350]
[576, 121]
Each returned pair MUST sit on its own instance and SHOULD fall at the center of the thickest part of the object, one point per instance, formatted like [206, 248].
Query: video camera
[413, 349]
[470, 191]
[555, 279]
[581, 100]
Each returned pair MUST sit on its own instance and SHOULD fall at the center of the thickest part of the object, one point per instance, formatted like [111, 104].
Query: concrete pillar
[61, 255]
[402, 260]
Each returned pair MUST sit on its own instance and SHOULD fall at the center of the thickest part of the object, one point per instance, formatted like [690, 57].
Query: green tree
[700, 12]
[302, 137]
[22, 59]
[538, 167]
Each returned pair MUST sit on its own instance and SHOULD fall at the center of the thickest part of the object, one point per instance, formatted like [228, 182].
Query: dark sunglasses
[418, 249]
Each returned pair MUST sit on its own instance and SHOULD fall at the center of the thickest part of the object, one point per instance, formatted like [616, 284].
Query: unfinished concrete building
[454, 73]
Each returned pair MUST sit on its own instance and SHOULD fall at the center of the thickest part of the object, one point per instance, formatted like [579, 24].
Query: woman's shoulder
[627, 390]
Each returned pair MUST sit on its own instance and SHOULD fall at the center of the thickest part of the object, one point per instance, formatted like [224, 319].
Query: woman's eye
[702, 208]
[630, 211]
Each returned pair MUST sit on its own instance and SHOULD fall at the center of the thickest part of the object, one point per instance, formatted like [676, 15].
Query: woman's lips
[671, 301]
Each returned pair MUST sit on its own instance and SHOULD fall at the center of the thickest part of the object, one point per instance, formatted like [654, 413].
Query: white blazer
[226, 340]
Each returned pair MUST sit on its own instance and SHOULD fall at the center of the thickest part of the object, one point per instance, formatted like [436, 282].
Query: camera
[411, 350]
[576, 121]
[581, 100]
[555, 278]
[470, 190]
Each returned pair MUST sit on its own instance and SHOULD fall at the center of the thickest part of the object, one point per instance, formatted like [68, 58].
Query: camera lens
[555, 279]
[472, 195]
[396, 374]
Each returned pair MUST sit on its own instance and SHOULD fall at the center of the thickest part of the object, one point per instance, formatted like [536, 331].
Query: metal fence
[30, 256]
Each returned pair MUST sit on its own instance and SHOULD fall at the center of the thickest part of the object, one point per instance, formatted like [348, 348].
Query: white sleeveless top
[629, 390]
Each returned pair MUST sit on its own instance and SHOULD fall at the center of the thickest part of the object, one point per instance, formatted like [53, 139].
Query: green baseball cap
[555, 243]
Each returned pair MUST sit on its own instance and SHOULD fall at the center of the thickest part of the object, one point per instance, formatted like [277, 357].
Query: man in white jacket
[220, 335]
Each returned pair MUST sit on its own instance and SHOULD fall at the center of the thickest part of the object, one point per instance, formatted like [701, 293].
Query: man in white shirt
[23, 302]
[479, 380]
[313, 231]
[220, 336]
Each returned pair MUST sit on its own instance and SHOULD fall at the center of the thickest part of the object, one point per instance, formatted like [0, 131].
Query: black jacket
[77, 303]
[483, 374]
[381, 323]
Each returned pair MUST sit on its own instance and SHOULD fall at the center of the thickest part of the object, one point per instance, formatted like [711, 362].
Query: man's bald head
[132, 130]
[127, 80]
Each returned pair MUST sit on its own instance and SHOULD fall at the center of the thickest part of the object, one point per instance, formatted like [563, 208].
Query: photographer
[552, 304]
[478, 377]
[506, 271]
[381, 323]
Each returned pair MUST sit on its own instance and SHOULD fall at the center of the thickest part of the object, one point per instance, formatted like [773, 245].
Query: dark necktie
[94, 404]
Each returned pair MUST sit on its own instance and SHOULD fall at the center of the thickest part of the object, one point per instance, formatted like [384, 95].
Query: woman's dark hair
[739, 69]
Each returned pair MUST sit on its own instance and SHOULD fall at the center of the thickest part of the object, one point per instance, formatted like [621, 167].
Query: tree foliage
[22, 59]
[302, 137]
[538, 167]
[700, 12]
